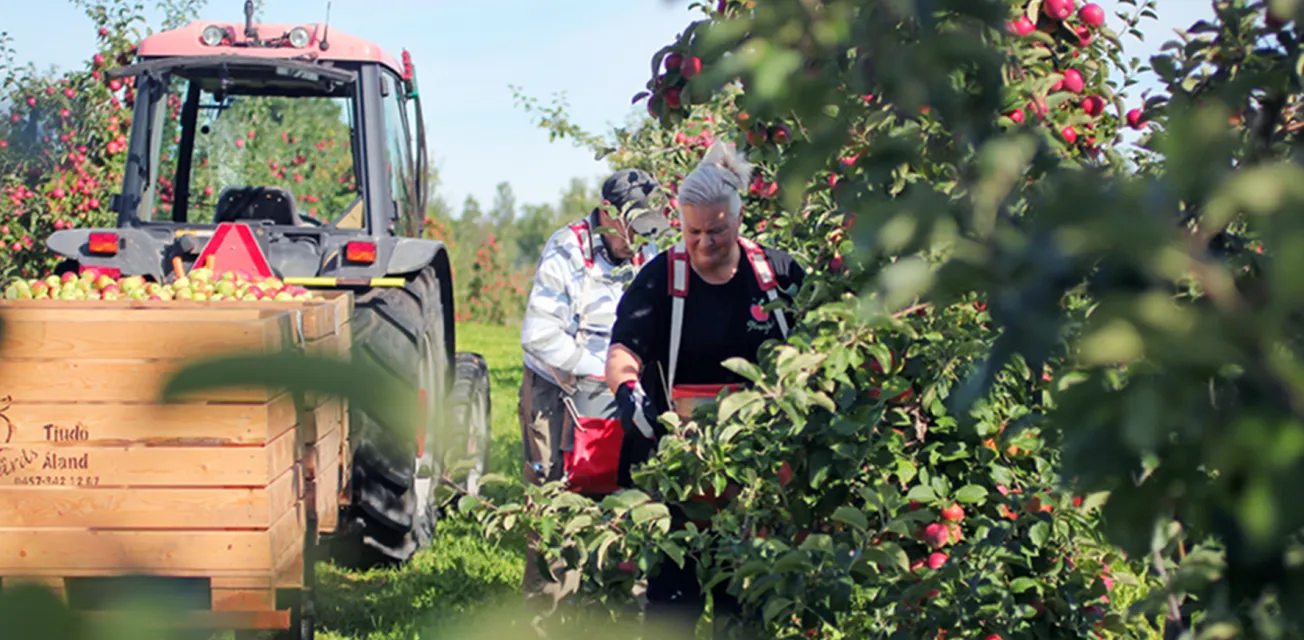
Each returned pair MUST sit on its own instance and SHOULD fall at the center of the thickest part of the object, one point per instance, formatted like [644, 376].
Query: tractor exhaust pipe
[249, 30]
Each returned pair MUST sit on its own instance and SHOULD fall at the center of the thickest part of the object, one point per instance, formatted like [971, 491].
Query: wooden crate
[98, 481]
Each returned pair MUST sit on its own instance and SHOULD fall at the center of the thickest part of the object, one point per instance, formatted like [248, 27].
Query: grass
[456, 581]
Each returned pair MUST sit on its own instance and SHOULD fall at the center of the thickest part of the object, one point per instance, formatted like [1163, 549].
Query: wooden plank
[80, 552]
[85, 337]
[150, 508]
[143, 466]
[243, 599]
[328, 490]
[106, 381]
[126, 424]
[319, 316]
[329, 346]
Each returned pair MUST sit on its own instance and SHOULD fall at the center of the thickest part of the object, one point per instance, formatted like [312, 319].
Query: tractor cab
[311, 138]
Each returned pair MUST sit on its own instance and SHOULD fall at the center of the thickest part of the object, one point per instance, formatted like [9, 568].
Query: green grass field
[438, 593]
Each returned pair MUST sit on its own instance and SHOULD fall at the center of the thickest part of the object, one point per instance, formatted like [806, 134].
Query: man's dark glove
[636, 410]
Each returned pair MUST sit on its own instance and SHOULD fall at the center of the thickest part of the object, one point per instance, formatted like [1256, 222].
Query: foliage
[1066, 320]
[495, 293]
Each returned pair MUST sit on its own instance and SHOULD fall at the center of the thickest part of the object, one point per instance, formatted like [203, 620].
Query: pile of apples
[199, 284]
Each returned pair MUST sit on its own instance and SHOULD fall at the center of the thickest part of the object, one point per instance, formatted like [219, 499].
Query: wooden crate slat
[126, 424]
[141, 466]
[243, 599]
[87, 338]
[32, 551]
[106, 381]
[319, 316]
[150, 507]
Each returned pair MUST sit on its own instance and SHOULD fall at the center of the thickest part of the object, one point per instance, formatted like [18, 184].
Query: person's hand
[636, 410]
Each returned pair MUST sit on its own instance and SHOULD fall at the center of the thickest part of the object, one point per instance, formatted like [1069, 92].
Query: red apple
[1073, 81]
[1092, 15]
[954, 513]
[1058, 9]
[936, 559]
[1069, 134]
[1021, 26]
[1134, 118]
[690, 66]
[780, 134]
[785, 474]
[1016, 116]
[673, 61]
[936, 535]
[672, 98]
[1093, 105]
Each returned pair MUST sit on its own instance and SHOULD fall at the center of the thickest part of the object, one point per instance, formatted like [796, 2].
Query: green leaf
[735, 402]
[604, 541]
[971, 494]
[744, 368]
[672, 549]
[888, 554]
[921, 493]
[1019, 585]
[648, 512]
[851, 516]
[793, 561]
[580, 522]
[775, 608]
[1039, 533]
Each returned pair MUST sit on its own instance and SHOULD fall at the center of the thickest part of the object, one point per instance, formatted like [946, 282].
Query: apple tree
[905, 462]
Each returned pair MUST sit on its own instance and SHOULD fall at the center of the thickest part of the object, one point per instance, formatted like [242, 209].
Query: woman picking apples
[691, 308]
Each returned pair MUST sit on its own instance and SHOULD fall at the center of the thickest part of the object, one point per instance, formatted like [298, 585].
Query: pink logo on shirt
[759, 313]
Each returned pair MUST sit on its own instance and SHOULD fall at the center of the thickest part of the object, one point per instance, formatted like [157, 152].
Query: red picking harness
[685, 396]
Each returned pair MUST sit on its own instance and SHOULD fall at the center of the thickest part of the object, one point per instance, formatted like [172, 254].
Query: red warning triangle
[234, 248]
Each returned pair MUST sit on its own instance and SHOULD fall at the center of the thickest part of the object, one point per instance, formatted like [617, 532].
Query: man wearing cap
[581, 275]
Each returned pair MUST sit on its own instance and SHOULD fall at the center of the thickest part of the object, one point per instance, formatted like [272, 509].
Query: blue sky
[466, 55]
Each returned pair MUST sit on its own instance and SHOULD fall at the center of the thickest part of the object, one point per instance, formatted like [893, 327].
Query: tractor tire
[392, 515]
[471, 415]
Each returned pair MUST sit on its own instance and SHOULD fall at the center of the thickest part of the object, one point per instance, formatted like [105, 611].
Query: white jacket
[572, 307]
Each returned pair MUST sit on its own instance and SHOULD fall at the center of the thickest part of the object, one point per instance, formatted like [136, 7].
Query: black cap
[635, 187]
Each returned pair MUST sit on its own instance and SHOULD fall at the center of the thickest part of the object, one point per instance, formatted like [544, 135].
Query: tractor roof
[185, 41]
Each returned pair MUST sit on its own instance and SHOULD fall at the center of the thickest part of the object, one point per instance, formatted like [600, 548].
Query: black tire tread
[382, 528]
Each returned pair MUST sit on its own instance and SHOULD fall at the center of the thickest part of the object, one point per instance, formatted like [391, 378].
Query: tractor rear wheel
[401, 332]
[471, 414]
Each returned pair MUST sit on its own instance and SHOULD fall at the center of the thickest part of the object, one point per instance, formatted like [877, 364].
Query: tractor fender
[410, 255]
[139, 253]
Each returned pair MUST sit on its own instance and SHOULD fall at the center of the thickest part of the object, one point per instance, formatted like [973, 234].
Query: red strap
[678, 280]
[581, 230]
[760, 264]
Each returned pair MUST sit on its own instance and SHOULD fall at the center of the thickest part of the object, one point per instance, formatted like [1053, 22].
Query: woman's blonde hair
[718, 179]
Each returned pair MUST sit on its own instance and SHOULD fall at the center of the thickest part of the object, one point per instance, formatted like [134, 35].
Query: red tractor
[298, 151]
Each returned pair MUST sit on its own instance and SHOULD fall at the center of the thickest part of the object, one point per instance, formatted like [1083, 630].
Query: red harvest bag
[591, 453]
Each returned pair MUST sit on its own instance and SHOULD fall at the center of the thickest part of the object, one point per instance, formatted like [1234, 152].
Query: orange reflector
[103, 242]
[358, 251]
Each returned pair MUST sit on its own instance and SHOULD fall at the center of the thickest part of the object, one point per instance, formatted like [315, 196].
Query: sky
[467, 54]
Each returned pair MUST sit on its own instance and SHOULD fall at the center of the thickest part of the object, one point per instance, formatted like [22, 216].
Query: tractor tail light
[103, 242]
[358, 251]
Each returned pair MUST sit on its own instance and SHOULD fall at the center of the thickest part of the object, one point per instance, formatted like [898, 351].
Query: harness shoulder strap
[585, 238]
[765, 278]
[678, 285]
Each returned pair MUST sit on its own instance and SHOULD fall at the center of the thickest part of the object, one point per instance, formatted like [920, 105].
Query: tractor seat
[273, 204]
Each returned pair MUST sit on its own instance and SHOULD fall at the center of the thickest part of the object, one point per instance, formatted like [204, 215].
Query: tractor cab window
[400, 157]
[284, 158]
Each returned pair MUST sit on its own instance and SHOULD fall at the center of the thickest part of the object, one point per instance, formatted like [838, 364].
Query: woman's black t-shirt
[721, 321]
